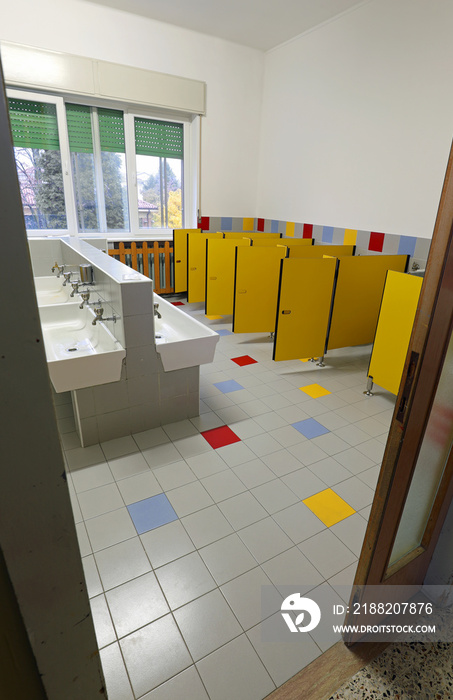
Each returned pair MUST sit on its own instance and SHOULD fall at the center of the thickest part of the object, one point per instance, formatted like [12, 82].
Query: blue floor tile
[229, 385]
[224, 331]
[151, 513]
[310, 428]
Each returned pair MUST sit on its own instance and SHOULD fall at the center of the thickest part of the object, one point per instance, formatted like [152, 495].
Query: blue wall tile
[327, 234]
[226, 223]
[407, 245]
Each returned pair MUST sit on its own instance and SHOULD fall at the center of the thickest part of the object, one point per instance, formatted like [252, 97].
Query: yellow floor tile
[315, 390]
[214, 318]
[329, 507]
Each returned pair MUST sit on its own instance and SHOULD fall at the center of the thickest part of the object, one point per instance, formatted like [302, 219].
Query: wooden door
[412, 499]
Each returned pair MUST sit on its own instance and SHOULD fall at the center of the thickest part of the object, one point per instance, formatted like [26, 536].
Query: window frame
[188, 171]
[130, 112]
[70, 207]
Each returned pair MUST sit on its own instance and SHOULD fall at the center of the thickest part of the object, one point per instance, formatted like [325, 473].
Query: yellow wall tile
[290, 229]
[350, 236]
[248, 225]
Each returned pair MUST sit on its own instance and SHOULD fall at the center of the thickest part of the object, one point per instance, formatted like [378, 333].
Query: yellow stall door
[317, 251]
[358, 294]
[290, 242]
[251, 234]
[196, 265]
[221, 256]
[394, 328]
[180, 257]
[256, 288]
[305, 299]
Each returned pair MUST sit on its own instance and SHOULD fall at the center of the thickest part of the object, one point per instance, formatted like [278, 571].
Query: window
[91, 169]
[96, 142]
[36, 144]
[159, 151]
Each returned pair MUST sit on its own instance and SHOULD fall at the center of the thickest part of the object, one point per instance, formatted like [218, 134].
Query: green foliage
[174, 208]
[151, 193]
[84, 177]
[49, 192]
[113, 191]
[84, 181]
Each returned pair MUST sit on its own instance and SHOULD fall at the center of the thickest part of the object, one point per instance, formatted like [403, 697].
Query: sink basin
[181, 340]
[50, 290]
[79, 354]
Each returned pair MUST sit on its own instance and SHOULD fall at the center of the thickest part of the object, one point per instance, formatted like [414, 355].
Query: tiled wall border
[367, 242]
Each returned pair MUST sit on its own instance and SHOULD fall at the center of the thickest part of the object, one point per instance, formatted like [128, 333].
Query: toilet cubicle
[257, 277]
[330, 303]
[220, 266]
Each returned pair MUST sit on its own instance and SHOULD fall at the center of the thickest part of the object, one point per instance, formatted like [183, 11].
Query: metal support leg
[272, 335]
[369, 386]
[321, 362]
[313, 359]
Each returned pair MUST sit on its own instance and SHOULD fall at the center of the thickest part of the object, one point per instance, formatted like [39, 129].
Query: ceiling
[260, 24]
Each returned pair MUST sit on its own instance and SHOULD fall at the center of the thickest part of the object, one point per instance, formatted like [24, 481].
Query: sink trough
[181, 340]
[79, 354]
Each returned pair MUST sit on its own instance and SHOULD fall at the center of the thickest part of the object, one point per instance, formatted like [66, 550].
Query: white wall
[233, 75]
[357, 120]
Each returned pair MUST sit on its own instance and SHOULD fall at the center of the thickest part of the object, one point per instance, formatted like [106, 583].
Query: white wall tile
[89, 434]
[139, 330]
[110, 397]
[144, 417]
[114, 424]
[142, 360]
[138, 298]
[143, 389]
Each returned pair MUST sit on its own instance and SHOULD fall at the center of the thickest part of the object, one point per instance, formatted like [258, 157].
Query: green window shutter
[80, 135]
[111, 130]
[34, 124]
[156, 138]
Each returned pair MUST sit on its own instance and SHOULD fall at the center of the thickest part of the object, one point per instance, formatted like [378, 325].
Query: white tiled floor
[177, 609]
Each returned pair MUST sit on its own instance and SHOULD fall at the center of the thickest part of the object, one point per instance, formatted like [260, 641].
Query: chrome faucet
[67, 277]
[98, 310]
[75, 287]
[58, 267]
[156, 312]
[85, 296]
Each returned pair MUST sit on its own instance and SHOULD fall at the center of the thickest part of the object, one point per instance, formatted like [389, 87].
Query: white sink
[79, 354]
[181, 340]
[50, 290]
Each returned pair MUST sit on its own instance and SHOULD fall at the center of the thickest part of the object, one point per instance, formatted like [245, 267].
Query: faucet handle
[67, 277]
[58, 267]
[85, 296]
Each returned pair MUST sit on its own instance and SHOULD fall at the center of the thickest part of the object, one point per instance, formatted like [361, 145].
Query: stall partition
[257, 273]
[220, 263]
[396, 318]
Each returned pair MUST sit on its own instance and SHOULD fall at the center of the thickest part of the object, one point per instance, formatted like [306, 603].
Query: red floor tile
[244, 360]
[219, 437]
[177, 303]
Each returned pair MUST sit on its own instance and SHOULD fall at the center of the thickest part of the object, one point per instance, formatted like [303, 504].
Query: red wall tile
[376, 242]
